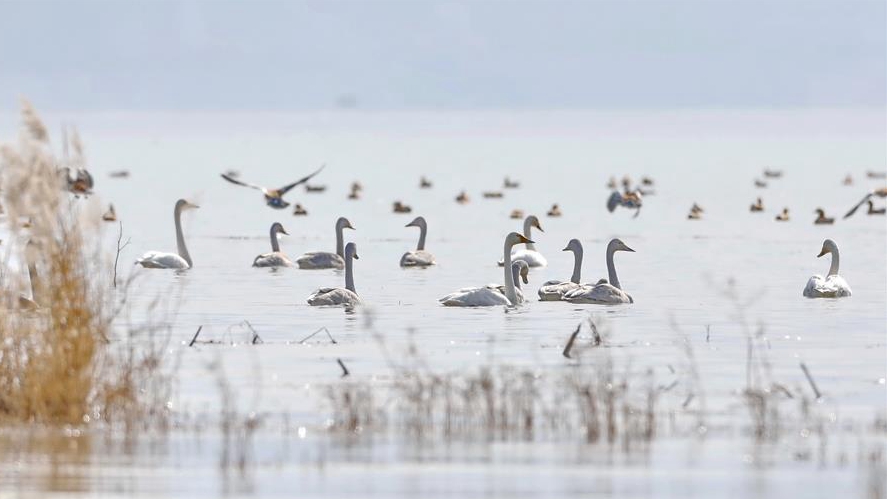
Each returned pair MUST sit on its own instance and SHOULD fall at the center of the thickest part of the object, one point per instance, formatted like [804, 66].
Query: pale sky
[393, 55]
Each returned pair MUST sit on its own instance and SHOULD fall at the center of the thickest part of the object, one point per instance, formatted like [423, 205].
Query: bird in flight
[273, 197]
[881, 193]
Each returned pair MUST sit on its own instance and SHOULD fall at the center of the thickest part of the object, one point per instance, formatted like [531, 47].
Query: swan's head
[343, 223]
[514, 239]
[417, 222]
[574, 245]
[277, 228]
[524, 271]
[827, 247]
[351, 251]
[533, 221]
[182, 205]
[618, 245]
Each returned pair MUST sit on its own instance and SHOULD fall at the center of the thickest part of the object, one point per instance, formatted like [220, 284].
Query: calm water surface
[677, 275]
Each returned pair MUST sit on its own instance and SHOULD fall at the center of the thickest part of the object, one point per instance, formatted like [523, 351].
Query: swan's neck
[528, 228]
[611, 269]
[275, 246]
[349, 274]
[340, 242]
[515, 276]
[833, 270]
[180, 238]
[423, 230]
[577, 266]
[510, 293]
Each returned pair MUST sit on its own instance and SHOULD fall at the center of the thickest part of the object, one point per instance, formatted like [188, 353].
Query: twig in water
[344, 369]
[119, 249]
[783, 389]
[689, 399]
[810, 380]
[707, 333]
[332, 340]
[594, 334]
[256, 340]
[571, 341]
[194, 339]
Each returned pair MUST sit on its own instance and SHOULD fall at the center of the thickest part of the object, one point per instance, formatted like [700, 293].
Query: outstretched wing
[614, 201]
[239, 182]
[283, 190]
[853, 210]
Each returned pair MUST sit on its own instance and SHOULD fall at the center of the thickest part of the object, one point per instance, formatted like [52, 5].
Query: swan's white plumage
[160, 260]
[333, 297]
[528, 254]
[556, 290]
[598, 294]
[320, 260]
[417, 259]
[493, 295]
[833, 286]
[273, 259]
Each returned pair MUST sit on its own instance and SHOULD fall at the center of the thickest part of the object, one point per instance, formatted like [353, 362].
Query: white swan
[519, 271]
[604, 293]
[182, 260]
[490, 296]
[276, 258]
[555, 290]
[420, 257]
[346, 296]
[529, 254]
[833, 286]
[324, 259]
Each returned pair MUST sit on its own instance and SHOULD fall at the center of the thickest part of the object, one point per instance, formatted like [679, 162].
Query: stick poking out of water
[194, 339]
[256, 340]
[324, 329]
[810, 380]
[345, 371]
[571, 341]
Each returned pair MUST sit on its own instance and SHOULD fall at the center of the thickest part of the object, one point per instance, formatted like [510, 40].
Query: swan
[339, 296]
[273, 197]
[182, 260]
[821, 219]
[276, 258]
[555, 290]
[833, 286]
[519, 271]
[604, 293]
[529, 255]
[420, 257]
[490, 296]
[326, 260]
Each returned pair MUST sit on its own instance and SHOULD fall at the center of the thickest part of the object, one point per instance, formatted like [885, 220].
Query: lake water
[677, 275]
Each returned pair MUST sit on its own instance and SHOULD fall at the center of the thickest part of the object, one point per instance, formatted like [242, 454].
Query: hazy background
[394, 55]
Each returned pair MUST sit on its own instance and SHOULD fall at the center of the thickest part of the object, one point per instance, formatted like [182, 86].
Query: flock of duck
[519, 254]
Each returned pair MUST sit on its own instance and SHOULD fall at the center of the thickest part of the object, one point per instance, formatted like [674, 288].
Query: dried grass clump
[56, 363]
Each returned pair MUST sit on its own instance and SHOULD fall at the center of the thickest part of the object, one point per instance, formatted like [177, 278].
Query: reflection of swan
[273, 197]
[529, 255]
[276, 258]
[182, 260]
[833, 286]
[489, 296]
[324, 259]
[555, 290]
[604, 292]
[420, 257]
[881, 193]
[339, 296]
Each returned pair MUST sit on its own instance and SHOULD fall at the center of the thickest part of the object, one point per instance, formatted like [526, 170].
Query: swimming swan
[420, 257]
[529, 255]
[833, 286]
[555, 290]
[604, 293]
[324, 259]
[182, 260]
[339, 296]
[276, 258]
[490, 296]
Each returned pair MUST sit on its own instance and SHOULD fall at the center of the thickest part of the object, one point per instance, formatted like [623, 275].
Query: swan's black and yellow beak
[283, 231]
[626, 248]
[823, 252]
[523, 239]
[523, 276]
[355, 256]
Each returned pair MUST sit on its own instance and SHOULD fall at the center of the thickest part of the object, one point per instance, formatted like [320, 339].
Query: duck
[833, 285]
[760, 184]
[276, 258]
[647, 181]
[356, 189]
[772, 173]
[510, 184]
[757, 206]
[874, 174]
[180, 260]
[347, 296]
[110, 215]
[273, 197]
[783, 217]
[462, 198]
[326, 260]
[605, 292]
[630, 199]
[821, 219]
[401, 208]
[529, 254]
[79, 182]
[315, 188]
[299, 210]
[696, 212]
[880, 193]
[848, 180]
[119, 174]
[490, 295]
[555, 211]
[516, 214]
[424, 183]
[555, 290]
[875, 211]
[493, 195]
[419, 257]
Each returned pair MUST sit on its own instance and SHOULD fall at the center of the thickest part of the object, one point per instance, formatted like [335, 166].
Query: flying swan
[491, 295]
[529, 254]
[833, 286]
[182, 260]
[346, 296]
[420, 257]
[276, 258]
[604, 293]
[324, 259]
